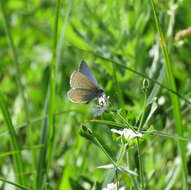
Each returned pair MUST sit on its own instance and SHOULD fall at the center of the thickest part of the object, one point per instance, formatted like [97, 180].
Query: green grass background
[123, 42]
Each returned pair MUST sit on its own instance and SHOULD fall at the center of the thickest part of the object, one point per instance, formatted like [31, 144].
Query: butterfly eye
[100, 90]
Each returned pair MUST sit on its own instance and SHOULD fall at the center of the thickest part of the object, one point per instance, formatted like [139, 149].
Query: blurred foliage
[122, 31]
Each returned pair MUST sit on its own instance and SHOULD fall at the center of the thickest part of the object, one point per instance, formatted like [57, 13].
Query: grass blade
[18, 74]
[47, 132]
[15, 59]
[17, 158]
[51, 130]
[41, 168]
[14, 184]
[174, 98]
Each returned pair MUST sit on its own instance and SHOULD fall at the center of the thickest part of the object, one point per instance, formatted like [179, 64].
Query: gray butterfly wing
[81, 95]
[84, 85]
[86, 71]
[79, 80]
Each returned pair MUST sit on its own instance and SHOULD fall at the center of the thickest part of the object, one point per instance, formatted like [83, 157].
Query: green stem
[117, 179]
[143, 114]
[121, 153]
[138, 144]
[130, 163]
[105, 152]
[140, 165]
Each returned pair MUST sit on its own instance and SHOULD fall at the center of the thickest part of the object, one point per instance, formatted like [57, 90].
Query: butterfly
[84, 87]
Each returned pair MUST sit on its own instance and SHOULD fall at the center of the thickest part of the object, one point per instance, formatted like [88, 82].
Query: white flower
[161, 101]
[103, 100]
[128, 134]
[112, 186]
[102, 105]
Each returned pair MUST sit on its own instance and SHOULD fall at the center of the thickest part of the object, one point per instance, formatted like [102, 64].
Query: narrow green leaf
[14, 184]
[17, 158]
[15, 58]
[41, 168]
[156, 87]
[108, 123]
[174, 98]
[18, 73]
[158, 133]
[51, 130]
